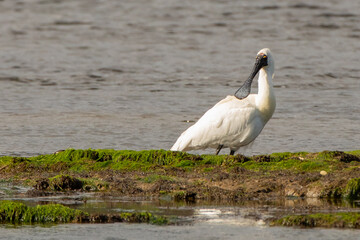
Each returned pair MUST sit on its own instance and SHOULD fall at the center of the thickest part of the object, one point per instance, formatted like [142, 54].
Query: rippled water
[133, 74]
[129, 74]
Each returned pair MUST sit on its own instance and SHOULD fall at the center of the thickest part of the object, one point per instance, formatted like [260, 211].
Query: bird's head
[264, 60]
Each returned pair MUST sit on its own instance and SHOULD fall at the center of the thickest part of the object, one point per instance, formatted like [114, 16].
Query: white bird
[236, 120]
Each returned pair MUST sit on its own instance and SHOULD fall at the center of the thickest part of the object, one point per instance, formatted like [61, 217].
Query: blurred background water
[130, 74]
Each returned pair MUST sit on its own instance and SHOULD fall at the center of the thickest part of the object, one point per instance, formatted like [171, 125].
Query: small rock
[260, 223]
[294, 191]
[323, 173]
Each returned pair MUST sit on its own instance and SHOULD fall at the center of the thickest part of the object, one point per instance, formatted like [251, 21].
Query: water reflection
[183, 211]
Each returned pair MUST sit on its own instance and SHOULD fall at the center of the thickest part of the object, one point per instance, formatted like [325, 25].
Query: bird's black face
[261, 61]
[244, 90]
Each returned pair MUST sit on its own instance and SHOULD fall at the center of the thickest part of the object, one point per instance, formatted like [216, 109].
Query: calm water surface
[135, 74]
[200, 230]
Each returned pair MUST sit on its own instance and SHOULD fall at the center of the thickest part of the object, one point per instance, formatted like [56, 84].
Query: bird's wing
[227, 118]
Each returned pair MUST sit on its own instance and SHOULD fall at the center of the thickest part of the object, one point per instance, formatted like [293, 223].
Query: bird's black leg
[232, 152]
[218, 149]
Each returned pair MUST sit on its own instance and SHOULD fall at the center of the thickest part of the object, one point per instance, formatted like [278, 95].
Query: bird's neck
[265, 99]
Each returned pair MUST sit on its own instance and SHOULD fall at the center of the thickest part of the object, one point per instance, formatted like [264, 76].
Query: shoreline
[183, 177]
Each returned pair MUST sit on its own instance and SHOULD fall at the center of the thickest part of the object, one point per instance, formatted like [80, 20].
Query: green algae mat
[18, 213]
[127, 160]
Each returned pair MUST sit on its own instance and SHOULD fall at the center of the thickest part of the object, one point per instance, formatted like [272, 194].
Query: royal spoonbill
[238, 119]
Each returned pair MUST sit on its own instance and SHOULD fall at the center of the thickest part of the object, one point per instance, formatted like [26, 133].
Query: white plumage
[234, 122]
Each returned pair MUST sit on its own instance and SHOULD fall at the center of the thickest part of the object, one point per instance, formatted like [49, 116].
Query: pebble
[323, 173]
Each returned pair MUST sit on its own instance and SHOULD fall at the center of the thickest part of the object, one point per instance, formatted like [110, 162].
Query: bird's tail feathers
[181, 144]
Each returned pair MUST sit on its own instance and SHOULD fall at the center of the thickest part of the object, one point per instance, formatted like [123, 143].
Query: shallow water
[200, 220]
[201, 230]
[135, 74]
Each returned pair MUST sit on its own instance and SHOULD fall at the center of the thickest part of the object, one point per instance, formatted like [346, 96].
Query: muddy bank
[327, 176]
[182, 176]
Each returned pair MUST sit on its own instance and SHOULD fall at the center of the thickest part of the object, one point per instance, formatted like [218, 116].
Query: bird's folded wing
[227, 118]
